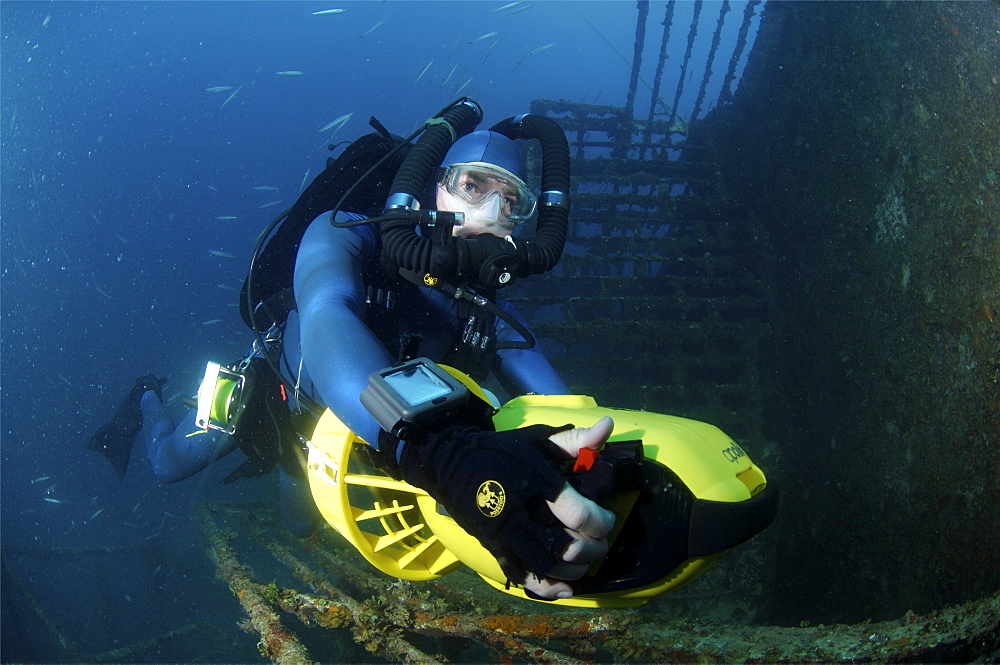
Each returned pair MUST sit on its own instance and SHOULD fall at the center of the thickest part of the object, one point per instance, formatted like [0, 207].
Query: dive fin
[114, 438]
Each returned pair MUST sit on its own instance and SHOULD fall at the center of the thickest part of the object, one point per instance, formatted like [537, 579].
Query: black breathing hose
[491, 261]
[553, 204]
[399, 239]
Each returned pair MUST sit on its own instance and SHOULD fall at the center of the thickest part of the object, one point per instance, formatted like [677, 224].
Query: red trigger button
[585, 459]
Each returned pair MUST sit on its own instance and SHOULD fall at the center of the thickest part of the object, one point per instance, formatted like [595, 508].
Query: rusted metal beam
[393, 610]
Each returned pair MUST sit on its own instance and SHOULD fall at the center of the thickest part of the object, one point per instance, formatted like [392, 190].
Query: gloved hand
[507, 490]
[587, 523]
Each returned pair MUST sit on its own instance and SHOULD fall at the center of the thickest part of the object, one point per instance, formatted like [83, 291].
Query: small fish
[176, 517]
[483, 38]
[211, 322]
[122, 239]
[136, 506]
[103, 292]
[532, 52]
[424, 71]
[48, 490]
[45, 22]
[268, 205]
[94, 215]
[463, 86]
[226, 287]
[326, 126]
[372, 29]
[457, 40]
[38, 480]
[509, 5]
[218, 88]
[218, 252]
[158, 191]
[96, 513]
[214, 189]
[329, 11]
[51, 500]
[156, 570]
[65, 380]
[338, 123]
[448, 78]
[265, 188]
[290, 72]
[488, 49]
[302, 185]
[226, 218]
[229, 98]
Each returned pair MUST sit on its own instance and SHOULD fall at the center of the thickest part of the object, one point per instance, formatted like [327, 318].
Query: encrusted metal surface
[460, 618]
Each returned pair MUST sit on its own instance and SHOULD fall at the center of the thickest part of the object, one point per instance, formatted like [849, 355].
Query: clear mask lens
[479, 184]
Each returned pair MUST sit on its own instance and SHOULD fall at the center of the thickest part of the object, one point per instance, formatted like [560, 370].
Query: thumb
[595, 436]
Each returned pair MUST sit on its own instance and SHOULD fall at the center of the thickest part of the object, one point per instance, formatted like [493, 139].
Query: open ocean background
[120, 173]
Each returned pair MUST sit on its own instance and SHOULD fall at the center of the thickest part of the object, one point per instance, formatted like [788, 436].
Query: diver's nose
[491, 208]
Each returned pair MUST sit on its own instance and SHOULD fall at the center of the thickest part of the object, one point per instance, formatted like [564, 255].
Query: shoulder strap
[276, 263]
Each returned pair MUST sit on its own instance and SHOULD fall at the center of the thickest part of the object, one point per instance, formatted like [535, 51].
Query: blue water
[117, 166]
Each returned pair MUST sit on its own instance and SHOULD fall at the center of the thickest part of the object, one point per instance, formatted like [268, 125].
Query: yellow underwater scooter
[683, 493]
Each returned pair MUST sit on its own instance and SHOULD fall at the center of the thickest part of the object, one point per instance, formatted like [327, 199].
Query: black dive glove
[495, 485]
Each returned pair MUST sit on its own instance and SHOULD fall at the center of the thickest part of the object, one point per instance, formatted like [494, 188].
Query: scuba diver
[371, 291]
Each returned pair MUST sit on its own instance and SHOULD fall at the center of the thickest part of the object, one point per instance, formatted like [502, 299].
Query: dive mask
[482, 185]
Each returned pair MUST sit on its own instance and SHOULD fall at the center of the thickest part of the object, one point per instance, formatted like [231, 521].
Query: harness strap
[279, 305]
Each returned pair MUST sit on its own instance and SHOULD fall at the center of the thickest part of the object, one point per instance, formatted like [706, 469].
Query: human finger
[547, 588]
[584, 548]
[578, 513]
[594, 436]
[578, 556]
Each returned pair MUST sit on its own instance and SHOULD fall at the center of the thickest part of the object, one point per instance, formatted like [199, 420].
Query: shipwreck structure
[817, 272]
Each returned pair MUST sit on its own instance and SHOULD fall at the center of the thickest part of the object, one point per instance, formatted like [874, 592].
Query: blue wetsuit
[338, 352]
[176, 453]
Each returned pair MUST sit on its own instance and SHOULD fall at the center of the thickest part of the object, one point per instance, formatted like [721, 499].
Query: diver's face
[486, 216]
